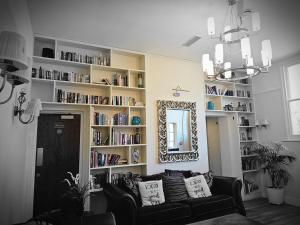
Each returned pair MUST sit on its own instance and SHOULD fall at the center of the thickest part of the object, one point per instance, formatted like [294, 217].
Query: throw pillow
[174, 188]
[151, 192]
[157, 176]
[197, 187]
[208, 177]
[130, 185]
[185, 173]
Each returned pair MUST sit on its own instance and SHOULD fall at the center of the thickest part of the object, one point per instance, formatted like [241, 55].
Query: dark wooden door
[58, 147]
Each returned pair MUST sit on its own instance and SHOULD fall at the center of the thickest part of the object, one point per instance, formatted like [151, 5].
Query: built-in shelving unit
[236, 99]
[104, 81]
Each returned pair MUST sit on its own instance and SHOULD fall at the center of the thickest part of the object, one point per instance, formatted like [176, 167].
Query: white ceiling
[162, 26]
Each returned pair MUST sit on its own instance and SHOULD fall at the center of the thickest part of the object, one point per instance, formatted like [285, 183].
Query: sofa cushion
[157, 176]
[201, 206]
[197, 187]
[208, 177]
[130, 185]
[166, 212]
[174, 188]
[185, 173]
[151, 192]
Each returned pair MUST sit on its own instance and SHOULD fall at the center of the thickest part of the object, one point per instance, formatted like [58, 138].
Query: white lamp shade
[265, 59]
[205, 60]
[211, 29]
[245, 48]
[34, 107]
[219, 54]
[266, 47]
[227, 65]
[13, 50]
[250, 63]
[210, 69]
[227, 37]
[255, 21]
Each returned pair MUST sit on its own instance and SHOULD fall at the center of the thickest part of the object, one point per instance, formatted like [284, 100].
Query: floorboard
[261, 211]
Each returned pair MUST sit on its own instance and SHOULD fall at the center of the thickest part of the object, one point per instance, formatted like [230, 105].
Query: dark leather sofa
[225, 199]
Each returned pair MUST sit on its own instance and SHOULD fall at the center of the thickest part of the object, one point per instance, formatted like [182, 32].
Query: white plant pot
[275, 195]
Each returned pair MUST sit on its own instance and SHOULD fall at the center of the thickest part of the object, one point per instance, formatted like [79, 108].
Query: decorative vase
[275, 195]
[136, 120]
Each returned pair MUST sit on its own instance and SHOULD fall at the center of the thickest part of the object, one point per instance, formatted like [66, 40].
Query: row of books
[101, 119]
[120, 119]
[250, 164]
[73, 97]
[120, 79]
[99, 159]
[117, 177]
[84, 58]
[100, 138]
[213, 90]
[123, 100]
[121, 138]
[60, 75]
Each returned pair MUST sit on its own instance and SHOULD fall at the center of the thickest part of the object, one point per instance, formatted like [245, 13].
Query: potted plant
[73, 199]
[274, 159]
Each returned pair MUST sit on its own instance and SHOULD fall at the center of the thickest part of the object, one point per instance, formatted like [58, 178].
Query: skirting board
[292, 201]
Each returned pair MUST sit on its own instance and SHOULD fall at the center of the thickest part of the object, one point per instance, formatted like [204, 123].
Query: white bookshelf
[81, 69]
[222, 93]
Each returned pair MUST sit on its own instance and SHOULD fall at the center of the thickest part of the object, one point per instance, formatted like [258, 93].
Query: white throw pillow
[197, 187]
[152, 192]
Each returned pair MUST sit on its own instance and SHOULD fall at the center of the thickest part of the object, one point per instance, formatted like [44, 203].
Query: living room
[155, 49]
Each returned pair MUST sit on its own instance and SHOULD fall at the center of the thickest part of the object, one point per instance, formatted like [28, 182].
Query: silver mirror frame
[164, 155]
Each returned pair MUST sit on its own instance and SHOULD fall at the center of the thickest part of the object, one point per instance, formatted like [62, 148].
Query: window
[292, 93]
[171, 135]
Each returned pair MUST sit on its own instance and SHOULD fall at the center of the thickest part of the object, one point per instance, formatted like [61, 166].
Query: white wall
[163, 74]
[268, 91]
[16, 171]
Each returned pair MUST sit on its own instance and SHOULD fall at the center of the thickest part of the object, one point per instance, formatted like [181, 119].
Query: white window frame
[286, 100]
[173, 134]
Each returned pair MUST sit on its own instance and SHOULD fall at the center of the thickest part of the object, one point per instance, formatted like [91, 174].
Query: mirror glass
[178, 130]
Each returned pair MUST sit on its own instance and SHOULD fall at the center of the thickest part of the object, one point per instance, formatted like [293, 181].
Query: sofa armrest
[121, 204]
[229, 186]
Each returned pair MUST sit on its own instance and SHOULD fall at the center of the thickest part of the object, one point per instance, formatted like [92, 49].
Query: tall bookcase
[223, 98]
[108, 86]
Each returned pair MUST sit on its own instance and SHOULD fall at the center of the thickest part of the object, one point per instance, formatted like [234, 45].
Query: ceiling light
[238, 28]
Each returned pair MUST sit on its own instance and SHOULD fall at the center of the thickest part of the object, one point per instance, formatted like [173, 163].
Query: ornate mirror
[177, 131]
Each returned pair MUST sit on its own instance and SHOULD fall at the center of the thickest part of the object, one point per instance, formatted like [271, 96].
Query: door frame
[81, 143]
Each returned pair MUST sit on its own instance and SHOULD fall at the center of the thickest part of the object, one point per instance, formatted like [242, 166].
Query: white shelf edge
[118, 166]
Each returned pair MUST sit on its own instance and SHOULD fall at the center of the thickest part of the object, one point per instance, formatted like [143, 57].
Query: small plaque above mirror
[177, 130]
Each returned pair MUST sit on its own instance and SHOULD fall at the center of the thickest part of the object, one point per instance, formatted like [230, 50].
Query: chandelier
[238, 28]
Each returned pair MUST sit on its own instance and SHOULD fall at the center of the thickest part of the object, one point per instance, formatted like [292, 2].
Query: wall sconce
[177, 90]
[263, 123]
[33, 109]
[12, 58]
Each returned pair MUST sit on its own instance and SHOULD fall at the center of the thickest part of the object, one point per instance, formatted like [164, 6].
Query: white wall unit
[104, 82]
[232, 103]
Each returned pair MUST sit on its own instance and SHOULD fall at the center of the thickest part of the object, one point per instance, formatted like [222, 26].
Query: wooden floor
[261, 211]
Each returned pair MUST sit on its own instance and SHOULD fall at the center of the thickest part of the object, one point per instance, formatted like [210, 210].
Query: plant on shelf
[73, 199]
[274, 160]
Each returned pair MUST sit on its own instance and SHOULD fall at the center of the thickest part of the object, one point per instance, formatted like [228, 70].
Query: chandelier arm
[3, 81]
[10, 95]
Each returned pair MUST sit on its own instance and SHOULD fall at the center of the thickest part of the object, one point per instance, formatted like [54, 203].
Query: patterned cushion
[208, 177]
[174, 188]
[197, 187]
[130, 185]
[151, 192]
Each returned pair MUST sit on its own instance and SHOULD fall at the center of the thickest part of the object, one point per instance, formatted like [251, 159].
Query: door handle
[39, 156]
